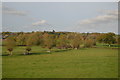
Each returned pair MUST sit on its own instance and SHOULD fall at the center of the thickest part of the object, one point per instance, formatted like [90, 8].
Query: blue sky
[60, 16]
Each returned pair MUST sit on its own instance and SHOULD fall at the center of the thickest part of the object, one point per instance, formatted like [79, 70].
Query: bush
[28, 49]
[89, 43]
[10, 44]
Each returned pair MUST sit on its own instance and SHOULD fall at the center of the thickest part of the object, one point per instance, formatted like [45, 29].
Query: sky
[60, 16]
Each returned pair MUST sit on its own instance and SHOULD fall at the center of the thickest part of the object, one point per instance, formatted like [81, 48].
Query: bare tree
[10, 44]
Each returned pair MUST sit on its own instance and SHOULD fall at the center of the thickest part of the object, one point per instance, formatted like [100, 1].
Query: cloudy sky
[60, 16]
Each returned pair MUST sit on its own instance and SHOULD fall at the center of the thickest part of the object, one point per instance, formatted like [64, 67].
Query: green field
[82, 63]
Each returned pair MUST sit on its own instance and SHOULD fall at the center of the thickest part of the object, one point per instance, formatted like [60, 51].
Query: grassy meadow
[59, 39]
[81, 63]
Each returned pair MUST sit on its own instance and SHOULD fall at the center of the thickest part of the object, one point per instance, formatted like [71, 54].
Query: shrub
[10, 44]
[28, 49]
[89, 43]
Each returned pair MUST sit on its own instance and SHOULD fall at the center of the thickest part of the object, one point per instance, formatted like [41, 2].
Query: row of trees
[61, 40]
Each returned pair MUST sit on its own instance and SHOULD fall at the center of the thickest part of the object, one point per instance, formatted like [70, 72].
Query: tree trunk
[28, 52]
[49, 50]
[10, 53]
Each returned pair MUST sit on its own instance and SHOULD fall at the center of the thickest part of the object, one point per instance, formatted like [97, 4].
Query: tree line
[60, 40]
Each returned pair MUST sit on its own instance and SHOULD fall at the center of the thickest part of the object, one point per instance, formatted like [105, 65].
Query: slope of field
[82, 63]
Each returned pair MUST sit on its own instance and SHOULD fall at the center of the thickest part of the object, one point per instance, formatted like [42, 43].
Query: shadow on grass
[64, 50]
[36, 53]
[5, 55]
[44, 52]
[40, 53]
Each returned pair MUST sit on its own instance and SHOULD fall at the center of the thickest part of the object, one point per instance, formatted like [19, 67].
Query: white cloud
[41, 22]
[107, 22]
[111, 15]
[112, 12]
[11, 11]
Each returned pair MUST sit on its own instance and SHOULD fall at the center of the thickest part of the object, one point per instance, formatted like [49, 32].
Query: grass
[103, 45]
[82, 63]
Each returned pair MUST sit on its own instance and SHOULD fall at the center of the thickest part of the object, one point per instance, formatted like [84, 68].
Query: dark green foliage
[108, 38]
[118, 39]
